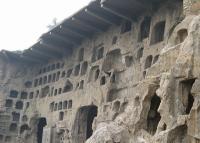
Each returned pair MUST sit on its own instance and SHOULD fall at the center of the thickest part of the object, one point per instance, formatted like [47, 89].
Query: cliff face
[137, 82]
[165, 105]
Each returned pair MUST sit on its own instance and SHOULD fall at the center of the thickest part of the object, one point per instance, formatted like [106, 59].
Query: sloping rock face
[138, 82]
[165, 106]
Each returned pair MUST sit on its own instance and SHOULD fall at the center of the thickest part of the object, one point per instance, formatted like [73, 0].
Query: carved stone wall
[135, 83]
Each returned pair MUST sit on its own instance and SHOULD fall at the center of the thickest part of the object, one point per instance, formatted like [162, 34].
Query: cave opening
[83, 123]
[181, 35]
[92, 113]
[186, 95]
[41, 124]
[190, 103]
[148, 62]
[145, 28]
[158, 33]
[153, 115]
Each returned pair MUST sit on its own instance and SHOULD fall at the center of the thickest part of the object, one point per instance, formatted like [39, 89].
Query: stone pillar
[191, 7]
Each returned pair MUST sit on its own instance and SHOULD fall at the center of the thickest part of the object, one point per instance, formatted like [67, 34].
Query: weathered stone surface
[135, 83]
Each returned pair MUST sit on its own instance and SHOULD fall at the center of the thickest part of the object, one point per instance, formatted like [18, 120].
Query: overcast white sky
[23, 21]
